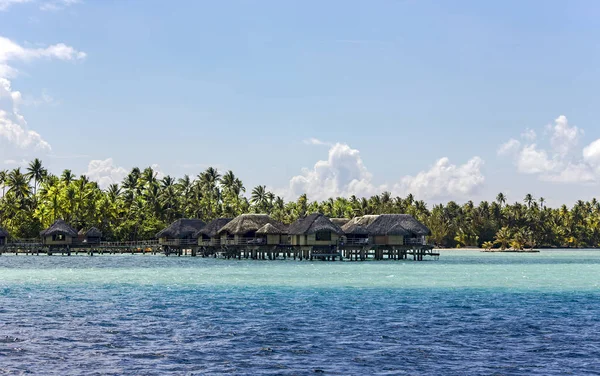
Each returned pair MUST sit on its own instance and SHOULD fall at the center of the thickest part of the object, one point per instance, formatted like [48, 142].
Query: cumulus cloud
[445, 180]
[509, 147]
[529, 135]
[560, 161]
[564, 137]
[16, 139]
[11, 51]
[530, 160]
[344, 173]
[105, 172]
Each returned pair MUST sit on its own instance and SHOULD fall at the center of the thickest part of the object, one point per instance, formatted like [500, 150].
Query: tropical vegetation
[142, 204]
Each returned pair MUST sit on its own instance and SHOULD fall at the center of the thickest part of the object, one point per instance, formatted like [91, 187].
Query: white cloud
[11, 51]
[58, 4]
[15, 138]
[559, 162]
[316, 141]
[17, 141]
[572, 173]
[533, 161]
[564, 138]
[344, 174]
[529, 135]
[445, 180]
[5, 4]
[591, 154]
[510, 147]
[105, 172]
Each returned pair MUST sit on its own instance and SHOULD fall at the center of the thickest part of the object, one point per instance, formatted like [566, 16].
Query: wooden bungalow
[3, 236]
[397, 229]
[208, 236]
[273, 234]
[59, 234]
[314, 230]
[242, 229]
[180, 233]
[356, 230]
[92, 236]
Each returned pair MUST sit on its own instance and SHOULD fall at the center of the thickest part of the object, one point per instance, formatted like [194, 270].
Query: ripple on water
[467, 314]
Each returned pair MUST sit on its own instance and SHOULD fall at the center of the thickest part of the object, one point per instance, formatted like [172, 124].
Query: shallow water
[469, 312]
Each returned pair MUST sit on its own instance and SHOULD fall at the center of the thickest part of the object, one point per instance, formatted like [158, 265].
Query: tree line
[142, 204]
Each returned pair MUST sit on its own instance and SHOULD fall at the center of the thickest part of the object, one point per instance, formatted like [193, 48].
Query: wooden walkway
[416, 252]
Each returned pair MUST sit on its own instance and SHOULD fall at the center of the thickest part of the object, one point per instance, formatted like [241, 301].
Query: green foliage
[487, 245]
[143, 203]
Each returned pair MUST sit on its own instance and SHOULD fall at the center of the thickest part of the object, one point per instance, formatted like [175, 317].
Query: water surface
[469, 312]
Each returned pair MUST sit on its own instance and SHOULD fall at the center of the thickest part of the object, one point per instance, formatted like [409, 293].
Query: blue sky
[437, 98]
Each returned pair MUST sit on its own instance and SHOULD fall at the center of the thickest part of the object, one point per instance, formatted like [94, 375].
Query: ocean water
[467, 313]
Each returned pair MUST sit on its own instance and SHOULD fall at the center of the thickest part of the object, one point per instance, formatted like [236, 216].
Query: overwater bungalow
[3, 236]
[314, 230]
[208, 236]
[180, 233]
[397, 229]
[92, 236]
[356, 231]
[60, 233]
[242, 229]
[273, 234]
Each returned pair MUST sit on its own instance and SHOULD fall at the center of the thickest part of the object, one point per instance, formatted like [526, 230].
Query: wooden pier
[243, 249]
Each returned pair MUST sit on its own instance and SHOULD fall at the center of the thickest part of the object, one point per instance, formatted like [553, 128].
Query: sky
[447, 100]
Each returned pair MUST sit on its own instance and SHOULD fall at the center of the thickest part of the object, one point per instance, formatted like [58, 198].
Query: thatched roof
[358, 225]
[3, 233]
[245, 223]
[272, 229]
[59, 227]
[339, 221]
[93, 233]
[212, 228]
[313, 223]
[397, 224]
[181, 229]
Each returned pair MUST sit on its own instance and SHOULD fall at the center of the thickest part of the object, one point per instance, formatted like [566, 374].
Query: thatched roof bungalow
[273, 234]
[242, 229]
[397, 229]
[3, 236]
[59, 233]
[180, 232]
[356, 230]
[209, 234]
[314, 230]
[92, 236]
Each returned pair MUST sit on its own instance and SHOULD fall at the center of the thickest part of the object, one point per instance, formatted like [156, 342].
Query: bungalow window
[323, 236]
[58, 237]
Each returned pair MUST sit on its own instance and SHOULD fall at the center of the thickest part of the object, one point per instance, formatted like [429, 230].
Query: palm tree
[528, 200]
[259, 197]
[501, 199]
[18, 185]
[67, 177]
[3, 180]
[37, 172]
[503, 237]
